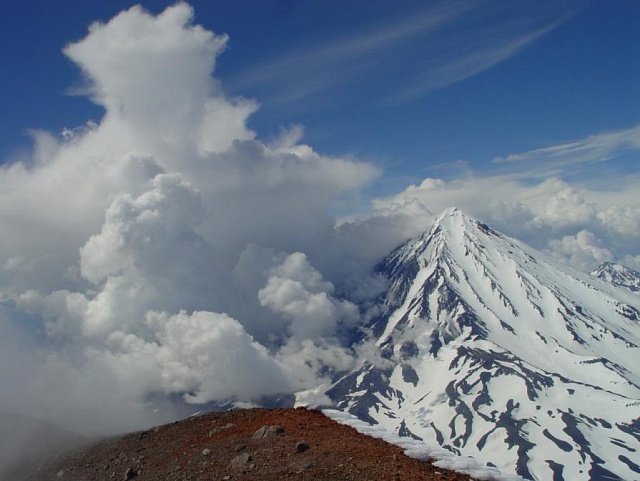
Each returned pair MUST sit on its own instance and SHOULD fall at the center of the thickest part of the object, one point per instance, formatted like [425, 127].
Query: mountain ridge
[248, 444]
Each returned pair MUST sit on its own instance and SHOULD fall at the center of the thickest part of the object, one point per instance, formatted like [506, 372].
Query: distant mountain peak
[618, 275]
[498, 352]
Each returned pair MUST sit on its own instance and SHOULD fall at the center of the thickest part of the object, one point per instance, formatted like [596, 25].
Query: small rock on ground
[268, 432]
[130, 474]
[301, 447]
[241, 460]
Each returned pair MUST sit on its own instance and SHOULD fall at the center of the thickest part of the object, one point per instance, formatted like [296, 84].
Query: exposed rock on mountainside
[493, 350]
[253, 444]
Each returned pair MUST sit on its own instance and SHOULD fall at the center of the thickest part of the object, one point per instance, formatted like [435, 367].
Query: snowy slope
[618, 275]
[497, 352]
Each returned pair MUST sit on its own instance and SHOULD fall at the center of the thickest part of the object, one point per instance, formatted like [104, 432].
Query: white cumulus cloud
[297, 291]
[582, 250]
[204, 356]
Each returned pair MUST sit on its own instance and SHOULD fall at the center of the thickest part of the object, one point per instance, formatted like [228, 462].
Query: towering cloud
[125, 256]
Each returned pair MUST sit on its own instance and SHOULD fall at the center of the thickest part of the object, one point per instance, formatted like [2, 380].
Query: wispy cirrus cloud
[408, 56]
[589, 150]
[484, 55]
[303, 72]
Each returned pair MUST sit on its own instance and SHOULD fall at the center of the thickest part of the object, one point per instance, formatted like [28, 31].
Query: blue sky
[411, 86]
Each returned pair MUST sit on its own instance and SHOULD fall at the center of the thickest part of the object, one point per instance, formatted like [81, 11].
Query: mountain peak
[454, 220]
[493, 347]
[452, 217]
[451, 212]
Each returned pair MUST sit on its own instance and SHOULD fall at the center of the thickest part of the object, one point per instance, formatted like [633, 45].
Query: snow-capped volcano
[618, 275]
[491, 349]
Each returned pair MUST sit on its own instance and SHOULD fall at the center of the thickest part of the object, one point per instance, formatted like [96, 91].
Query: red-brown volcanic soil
[222, 446]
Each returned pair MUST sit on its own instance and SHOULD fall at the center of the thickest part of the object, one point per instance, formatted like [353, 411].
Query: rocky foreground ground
[249, 444]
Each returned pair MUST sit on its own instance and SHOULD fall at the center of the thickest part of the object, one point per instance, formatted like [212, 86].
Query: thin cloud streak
[476, 62]
[589, 150]
[420, 53]
[320, 68]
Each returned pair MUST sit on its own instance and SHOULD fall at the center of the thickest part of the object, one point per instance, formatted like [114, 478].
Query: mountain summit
[491, 349]
[618, 275]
